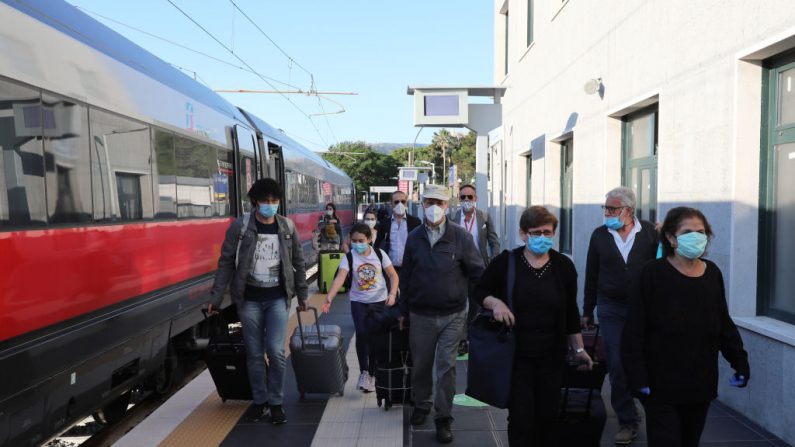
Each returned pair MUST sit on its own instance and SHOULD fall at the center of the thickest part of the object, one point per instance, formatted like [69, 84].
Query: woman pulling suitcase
[368, 291]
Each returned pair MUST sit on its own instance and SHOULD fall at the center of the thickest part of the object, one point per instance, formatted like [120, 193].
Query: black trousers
[670, 425]
[535, 400]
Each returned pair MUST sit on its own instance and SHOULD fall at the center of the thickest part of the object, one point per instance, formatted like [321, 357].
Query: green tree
[364, 165]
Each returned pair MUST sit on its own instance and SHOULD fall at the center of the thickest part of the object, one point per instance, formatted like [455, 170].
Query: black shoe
[277, 415]
[418, 416]
[257, 412]
[463, 347]
[444, 433]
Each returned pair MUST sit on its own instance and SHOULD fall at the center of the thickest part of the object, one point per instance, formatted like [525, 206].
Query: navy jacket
[435, 280]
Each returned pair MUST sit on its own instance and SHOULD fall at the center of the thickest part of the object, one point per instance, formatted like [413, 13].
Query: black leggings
[535, 398]
[670, 425]
[359, 313]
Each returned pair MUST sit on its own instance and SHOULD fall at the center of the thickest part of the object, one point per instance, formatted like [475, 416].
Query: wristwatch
[578, 350]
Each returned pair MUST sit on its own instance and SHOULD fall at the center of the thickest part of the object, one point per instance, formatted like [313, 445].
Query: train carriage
[118, 178]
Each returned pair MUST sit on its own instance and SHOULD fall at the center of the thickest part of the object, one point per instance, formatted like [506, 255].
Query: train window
[67, 160]
[22, 196]
[129, 192]
[223, 178]
[165, 175]
[247, 177]
[119, 147]
[194, 188]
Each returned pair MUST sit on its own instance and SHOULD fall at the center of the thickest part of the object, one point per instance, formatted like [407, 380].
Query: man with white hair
[618, 250]
[440, 263]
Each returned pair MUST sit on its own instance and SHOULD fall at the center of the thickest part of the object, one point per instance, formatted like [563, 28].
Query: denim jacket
[293, 270]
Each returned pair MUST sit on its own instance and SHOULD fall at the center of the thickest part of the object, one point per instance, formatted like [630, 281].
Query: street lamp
[433, 169]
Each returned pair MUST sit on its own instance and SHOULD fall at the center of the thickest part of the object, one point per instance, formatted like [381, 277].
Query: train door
[246, 164]
[276, 168]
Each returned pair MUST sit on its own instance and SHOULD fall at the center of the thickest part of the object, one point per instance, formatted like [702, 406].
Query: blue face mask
[613, 222]
[691, 245]
[360, 247]
[268, 209]
[539, 244]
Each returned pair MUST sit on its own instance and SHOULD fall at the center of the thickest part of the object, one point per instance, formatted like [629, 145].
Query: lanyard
[471, 223]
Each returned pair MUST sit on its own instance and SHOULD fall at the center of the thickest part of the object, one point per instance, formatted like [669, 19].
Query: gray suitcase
[318, 361]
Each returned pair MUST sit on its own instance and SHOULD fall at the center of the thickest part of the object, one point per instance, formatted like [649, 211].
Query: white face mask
[399, 209]
[370, 222]
[434, 214]
[329, 213]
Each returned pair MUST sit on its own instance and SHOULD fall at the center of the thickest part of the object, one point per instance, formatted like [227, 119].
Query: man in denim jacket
[264, 266]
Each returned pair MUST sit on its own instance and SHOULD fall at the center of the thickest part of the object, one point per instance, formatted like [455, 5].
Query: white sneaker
[364, 381]
[370, 386]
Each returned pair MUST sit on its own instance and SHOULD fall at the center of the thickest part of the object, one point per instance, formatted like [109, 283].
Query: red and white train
[118, 178]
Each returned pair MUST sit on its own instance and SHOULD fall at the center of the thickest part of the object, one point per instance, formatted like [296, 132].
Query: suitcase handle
[301, 327]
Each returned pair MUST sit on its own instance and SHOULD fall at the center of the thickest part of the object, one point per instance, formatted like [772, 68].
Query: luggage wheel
[380, 401]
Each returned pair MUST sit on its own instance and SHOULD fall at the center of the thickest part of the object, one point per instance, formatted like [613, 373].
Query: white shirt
[398, 233]
[367, 277]
[626, 246]
[473, 229]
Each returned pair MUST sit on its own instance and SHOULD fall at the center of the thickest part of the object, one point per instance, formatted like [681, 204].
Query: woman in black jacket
[329, 227]
[545, 318]
[678, 320]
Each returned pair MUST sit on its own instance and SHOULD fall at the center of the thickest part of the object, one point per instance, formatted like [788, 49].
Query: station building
[687, 102]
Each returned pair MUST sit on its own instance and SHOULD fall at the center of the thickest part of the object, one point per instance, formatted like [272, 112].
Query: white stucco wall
[702, 62]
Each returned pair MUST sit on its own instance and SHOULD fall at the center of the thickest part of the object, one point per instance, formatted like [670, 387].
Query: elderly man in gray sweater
[439, 264]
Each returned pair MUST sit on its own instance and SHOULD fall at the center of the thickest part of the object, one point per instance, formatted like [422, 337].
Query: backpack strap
[349, 279]
[243, 228]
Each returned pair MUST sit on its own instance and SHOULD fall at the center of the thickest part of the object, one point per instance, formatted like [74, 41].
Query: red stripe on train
[48, 276]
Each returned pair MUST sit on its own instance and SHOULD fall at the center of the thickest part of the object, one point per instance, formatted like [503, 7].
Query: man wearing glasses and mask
[478, 224]
[618, 250]
[393, 231]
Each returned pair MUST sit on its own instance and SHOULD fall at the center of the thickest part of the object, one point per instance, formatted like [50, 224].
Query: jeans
[359, 313]
[264, 331]
[434, 339]
[612, 314]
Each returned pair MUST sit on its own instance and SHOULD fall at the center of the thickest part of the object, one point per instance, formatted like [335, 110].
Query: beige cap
[438, 192]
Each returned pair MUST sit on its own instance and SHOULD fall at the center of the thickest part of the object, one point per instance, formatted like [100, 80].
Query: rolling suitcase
[327, 264]
[318, 358]
[226, 359]
[392, 367]
[586, 380]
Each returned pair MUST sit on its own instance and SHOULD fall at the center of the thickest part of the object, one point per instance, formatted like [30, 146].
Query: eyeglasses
[466, 197]
[612, 210]
[399, 201]
[546, 233]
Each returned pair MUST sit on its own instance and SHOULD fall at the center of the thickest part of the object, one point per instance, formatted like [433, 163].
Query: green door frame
[566, 202]
[772, 135]
[643, 163]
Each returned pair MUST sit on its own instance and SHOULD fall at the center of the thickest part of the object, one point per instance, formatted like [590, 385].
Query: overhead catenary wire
[212, 36]
[184, 47]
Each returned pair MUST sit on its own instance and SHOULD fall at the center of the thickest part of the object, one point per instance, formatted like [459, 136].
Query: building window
[566, 183]
[639, 159]
[528, 179]
[777, 256]
[505, 52]
[529, 22]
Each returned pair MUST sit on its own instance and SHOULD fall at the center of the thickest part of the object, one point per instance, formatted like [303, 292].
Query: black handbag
[492, 346]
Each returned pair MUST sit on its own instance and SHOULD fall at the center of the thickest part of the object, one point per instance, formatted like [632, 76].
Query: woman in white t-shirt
[368, 290]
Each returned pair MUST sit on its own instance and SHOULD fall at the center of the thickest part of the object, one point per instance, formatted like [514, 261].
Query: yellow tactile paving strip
[212, 420]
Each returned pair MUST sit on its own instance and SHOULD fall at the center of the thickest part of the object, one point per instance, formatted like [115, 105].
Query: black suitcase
[585, 380]
[226, 359]
[318, 358]
[391, 364]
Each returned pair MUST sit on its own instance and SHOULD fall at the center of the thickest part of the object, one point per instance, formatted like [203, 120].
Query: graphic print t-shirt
[367, 283]
[264, 280]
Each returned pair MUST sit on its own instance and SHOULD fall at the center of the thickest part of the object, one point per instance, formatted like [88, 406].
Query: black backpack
[349, 279]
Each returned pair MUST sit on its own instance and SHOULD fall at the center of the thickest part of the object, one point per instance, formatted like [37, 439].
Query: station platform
[197, 417]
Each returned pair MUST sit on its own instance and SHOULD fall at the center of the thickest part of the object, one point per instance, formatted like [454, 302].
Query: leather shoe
[418, 416]
[444, 433]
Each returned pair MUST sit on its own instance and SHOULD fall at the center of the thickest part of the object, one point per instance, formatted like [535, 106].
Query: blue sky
[373, 48]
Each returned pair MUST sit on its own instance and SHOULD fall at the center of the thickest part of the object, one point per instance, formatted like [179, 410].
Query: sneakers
[277, 415]
[364, 381]
[257, 412]
[444, 434]
[626, 435]
[418, 416]
[369, 386]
